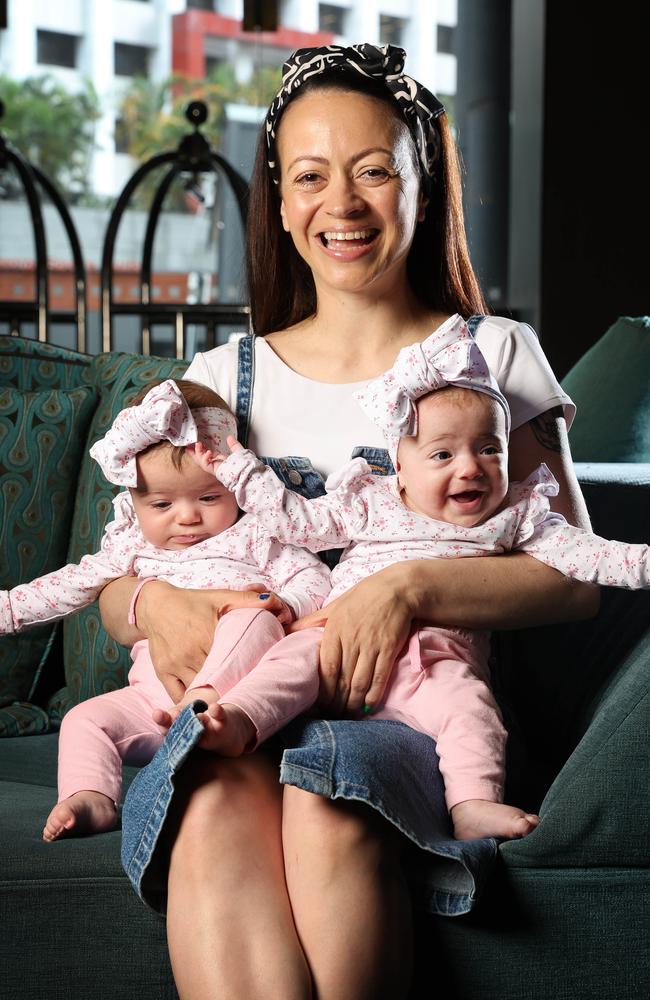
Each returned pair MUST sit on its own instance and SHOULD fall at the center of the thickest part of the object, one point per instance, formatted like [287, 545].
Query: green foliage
[151, 118]
[52, 128]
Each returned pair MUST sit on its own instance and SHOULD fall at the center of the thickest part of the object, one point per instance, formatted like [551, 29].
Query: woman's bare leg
[350, 902]
[229, 923]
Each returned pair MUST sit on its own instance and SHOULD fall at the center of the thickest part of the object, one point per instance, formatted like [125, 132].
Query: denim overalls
[384, 764]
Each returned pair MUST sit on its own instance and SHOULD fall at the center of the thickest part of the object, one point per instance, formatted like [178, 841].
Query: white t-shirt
[294, 415]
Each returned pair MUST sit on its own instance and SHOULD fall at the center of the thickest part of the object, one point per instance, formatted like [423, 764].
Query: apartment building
[112, 41]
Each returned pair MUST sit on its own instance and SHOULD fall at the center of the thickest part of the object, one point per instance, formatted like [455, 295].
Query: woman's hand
[180, 625]
[365, 629]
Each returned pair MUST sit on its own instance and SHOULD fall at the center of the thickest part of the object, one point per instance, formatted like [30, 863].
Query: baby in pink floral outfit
[176, 523]
[447, 425]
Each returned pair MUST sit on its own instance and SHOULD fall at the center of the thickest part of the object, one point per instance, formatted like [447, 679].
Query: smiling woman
[356, 249]
[353, 196]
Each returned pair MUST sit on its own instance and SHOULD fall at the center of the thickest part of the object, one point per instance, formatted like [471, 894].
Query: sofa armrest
[577, 694]
[618, 498]
[595, 813]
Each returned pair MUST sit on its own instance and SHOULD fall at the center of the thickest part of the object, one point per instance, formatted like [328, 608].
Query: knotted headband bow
[418, 105]
[163, 415]
[450, 356]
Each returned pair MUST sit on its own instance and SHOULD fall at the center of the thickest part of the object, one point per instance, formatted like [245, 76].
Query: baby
[447, 425]
[175, 523]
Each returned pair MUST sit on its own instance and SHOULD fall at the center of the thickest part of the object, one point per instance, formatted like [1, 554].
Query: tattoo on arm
[545, 428]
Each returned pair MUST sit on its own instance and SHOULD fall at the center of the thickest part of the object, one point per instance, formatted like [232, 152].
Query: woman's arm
[545, 439]
[178, 623]
[367, 626]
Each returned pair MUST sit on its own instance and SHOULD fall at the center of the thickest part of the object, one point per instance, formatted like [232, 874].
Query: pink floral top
[239, 556]
[365, 513]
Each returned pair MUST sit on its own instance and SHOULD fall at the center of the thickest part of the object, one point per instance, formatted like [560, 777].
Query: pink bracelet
[136, 593]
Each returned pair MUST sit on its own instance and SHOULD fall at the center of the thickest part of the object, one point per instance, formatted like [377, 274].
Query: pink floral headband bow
[450, 356]
[163, 415]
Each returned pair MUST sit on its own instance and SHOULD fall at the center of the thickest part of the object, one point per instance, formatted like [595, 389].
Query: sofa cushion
[564, 688]
[611, 389]
[30, 364]
[63, 901]
[42, 439]
[93, 662]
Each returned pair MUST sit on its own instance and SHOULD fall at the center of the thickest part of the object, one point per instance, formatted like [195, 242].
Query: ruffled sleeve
[530, 501]
[326, 522]
[348, 478]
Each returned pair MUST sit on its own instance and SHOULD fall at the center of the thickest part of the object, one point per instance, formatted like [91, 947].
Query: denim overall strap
[245, 379]
[473, 323]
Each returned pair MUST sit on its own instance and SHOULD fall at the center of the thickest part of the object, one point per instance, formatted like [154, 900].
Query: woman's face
[350, 189]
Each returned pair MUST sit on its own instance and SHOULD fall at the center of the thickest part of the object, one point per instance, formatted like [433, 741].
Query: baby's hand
[234, 446]
[204, 458]
[209, 460]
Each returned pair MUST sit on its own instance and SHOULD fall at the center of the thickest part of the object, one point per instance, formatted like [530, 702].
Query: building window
[56, 49]
[331, 18]
[391, 29]
[131, 60]
[446, 40]
[212, 64]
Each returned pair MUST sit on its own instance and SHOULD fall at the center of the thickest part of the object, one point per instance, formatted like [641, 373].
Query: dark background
[552, 115]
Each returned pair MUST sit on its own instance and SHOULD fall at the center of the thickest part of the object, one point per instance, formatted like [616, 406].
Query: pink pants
[99, 735]
[439, 685]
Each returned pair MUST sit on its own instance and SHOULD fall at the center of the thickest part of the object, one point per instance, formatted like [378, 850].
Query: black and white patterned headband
[418, 105]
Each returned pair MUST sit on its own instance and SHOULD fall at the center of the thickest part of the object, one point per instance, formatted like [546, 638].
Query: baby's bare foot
[228, 730]
[476, 818]
[83, 812]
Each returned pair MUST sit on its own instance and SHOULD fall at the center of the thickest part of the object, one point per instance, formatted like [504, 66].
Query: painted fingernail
[264, 597]
[367, 709]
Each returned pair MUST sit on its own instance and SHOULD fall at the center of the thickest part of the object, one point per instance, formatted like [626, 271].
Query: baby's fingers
[203, 457]
[234, 444]
[162, 718]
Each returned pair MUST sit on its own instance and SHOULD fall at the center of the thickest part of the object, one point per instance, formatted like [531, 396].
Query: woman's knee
[215, 794]
[335, 830]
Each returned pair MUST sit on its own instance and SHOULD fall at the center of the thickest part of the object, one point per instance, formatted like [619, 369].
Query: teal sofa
[565, 913]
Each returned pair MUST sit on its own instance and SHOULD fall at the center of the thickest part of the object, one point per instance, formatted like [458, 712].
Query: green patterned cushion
[23, 719]
[29, 364]
[93, 663]
[42, 441]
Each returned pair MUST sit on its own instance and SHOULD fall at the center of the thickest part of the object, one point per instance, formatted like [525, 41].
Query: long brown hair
[280, 284]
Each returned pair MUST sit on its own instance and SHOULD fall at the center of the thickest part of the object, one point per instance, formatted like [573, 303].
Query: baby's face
[456, 468]
[177, 508]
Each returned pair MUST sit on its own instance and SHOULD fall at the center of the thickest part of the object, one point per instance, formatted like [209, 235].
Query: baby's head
[446, 424]
[455, 468]
[177, 504]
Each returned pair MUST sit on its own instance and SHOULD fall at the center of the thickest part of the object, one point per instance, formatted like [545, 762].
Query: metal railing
[37, 310]
[193, 156]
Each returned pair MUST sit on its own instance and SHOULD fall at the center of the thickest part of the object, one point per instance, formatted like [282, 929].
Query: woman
[356, 249]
